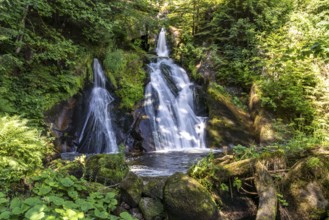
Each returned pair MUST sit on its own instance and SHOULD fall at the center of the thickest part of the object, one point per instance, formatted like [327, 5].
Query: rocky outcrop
[227, 123]
[185, 198]
[262, 123]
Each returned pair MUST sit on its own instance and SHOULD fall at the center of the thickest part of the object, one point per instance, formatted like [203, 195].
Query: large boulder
[131, 189]
[306, 189]
[151, 208]
[108, 169]
[185, 198]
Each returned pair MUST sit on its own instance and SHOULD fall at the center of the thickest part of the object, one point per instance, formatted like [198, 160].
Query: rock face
[227, 124]
[185, 198]
[131, 189]
[107, 169]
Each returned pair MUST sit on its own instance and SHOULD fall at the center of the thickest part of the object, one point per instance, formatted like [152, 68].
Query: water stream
[170, 106]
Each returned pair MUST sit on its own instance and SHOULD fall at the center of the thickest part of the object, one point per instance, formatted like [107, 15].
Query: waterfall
[97, 135]
[162, 50]
[169, 105]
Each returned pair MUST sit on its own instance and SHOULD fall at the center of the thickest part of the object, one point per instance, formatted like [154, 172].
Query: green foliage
[241, 152]
[281, 200]
[314, 162]
[22, 150]
[125, 70]
[47, 47]
[57, 196]
[205, 172]
[237, 183]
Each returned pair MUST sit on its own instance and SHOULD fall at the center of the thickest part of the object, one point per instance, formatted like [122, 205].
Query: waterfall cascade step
[169, 104]
[97, 135]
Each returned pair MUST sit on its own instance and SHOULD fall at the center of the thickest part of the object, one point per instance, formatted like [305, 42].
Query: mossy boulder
[306, 189]
[131, 189]
[151, 208]
[107, 169]
[74, 168]
[185, 198]
[154, 187]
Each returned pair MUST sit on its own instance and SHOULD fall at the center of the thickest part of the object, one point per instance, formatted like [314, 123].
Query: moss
[107, 169]
[185, 198]
[125, 70]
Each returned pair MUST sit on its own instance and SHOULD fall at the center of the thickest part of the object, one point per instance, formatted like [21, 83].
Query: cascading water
[97, 135]
[169, 105]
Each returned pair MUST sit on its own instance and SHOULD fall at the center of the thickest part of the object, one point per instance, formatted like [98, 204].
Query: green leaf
[3, 200]
[44, 190]
[73, 194]
[33, 201]
[66, 182]
[56, 200]
[36, 212]
[101, 214]
[126, 216]
[84, 205]
[15, 202]
[5, 215]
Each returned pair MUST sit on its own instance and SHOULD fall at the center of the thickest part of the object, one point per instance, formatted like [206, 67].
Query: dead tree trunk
[267, 207]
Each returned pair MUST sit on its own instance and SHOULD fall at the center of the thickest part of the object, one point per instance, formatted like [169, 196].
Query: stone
[154, 187]
[185, 198]
[131, 189]
[135, 212]
[151, 208]
[107, 169]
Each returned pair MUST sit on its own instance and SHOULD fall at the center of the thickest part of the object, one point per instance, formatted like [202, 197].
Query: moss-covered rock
[185, 198]
[74, 168]
[154, 187]
[151, 208]
[306, 189]
[107, 169]
[131, 189]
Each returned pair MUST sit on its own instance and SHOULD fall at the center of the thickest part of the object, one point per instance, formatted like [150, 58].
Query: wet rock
[154, 187]
[60, 120]
[185, 198]
[140, 137]
[108, 169]
[131, 189]
[151, 208]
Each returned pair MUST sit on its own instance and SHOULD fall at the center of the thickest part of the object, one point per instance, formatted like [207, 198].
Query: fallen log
[267, 206]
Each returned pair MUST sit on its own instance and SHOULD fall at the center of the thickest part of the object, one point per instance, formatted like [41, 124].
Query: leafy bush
[22, 150]
[57, 196]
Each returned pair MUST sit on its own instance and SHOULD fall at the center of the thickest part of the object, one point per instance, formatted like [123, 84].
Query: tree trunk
[267, 206]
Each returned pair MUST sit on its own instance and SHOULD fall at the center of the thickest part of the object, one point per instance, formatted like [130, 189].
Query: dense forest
[266, 61]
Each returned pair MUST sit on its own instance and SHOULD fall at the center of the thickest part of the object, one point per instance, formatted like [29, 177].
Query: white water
[169, 104]
[162, 49]
[97, 135]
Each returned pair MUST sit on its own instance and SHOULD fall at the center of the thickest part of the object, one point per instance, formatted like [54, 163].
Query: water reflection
[166, 163]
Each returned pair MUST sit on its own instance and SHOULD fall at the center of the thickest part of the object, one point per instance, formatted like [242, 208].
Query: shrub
[22, 150]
